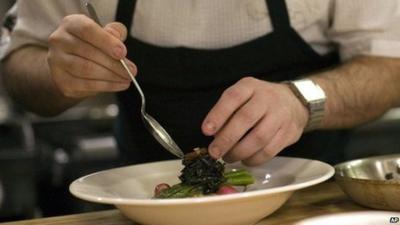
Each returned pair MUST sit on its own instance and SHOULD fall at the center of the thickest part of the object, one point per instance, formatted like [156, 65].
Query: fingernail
[210, 127]
[118, 52]
[132, 68]
[214, 151]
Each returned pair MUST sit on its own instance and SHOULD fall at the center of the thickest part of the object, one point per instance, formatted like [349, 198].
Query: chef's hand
[253, 121]
[83, 57]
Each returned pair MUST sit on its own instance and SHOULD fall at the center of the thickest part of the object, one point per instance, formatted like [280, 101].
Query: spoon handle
[135, 83]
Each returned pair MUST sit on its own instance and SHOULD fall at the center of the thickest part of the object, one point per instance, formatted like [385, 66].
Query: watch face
[309, 90]
[313, 97]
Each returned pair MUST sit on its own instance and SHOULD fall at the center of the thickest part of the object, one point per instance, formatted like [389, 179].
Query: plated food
[202, 175]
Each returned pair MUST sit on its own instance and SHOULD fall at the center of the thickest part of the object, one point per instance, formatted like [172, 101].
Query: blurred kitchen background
[39, 157]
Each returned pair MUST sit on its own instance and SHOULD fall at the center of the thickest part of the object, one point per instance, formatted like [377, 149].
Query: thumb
[116, 29]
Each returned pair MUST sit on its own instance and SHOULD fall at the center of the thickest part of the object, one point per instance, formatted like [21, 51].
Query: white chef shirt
[355, 27]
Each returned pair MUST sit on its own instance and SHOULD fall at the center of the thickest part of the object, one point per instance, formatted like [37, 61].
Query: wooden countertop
[322, 199]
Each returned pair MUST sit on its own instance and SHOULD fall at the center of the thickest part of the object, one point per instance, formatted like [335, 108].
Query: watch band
[313, 97]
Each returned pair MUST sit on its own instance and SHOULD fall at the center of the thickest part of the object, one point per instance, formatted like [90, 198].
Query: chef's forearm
[27, 79]
[360, 90]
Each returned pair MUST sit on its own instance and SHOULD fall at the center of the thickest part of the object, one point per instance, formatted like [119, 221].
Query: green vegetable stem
[180, 191]
[240, 177]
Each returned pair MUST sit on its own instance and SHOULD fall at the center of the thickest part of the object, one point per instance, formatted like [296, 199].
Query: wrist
[300, 111]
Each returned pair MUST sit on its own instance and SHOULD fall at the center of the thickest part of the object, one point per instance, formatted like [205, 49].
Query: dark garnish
[204, 175]
[203, 171]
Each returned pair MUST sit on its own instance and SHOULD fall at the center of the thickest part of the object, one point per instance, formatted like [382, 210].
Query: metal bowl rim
[367, 160]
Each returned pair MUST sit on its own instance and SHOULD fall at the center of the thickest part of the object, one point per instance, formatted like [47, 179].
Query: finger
[117, 29]
[79, 85]
[87, 69]
[101, 86]
[67, 84]
[277, 143]
[256, 139]
[242, 120]
[231, 100]
[88, 30]
[75, 46]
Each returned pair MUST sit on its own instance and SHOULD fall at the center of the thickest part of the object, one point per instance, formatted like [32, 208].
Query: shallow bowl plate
[130, 189]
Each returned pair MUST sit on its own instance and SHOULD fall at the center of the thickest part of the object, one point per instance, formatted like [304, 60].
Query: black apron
[181, 85]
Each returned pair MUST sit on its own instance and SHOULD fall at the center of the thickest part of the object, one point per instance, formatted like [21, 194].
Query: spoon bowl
[161, 135]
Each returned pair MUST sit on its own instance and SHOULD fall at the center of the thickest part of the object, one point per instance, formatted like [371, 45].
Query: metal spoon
[158, 132]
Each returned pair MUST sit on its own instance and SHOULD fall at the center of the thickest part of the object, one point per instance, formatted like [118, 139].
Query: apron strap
[279, 14]
[125, 13]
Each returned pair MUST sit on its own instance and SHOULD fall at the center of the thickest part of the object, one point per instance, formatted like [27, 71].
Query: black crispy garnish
[202, 171]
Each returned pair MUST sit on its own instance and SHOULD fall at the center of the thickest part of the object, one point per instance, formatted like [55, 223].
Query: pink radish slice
[160, 187]
[226, 189]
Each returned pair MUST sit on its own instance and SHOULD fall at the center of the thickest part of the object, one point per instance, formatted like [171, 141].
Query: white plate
[131, 188]
[355, 218]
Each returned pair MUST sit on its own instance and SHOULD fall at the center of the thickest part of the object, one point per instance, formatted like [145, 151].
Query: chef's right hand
[83, 57]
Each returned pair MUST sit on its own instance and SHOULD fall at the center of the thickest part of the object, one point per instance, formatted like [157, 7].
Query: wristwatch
[313, 97]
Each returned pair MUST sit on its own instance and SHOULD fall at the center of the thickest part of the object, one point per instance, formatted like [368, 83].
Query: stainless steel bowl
[372, 182]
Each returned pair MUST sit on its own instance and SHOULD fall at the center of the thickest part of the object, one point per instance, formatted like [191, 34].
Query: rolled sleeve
[36, 20]
[366, 27]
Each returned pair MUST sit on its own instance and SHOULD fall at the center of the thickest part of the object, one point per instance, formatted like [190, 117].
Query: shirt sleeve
[366, 27]
[35, 21]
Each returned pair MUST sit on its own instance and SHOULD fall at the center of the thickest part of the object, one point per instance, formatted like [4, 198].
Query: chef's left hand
[253, 121]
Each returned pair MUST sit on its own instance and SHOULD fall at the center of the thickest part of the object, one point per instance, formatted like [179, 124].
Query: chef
[247, 78]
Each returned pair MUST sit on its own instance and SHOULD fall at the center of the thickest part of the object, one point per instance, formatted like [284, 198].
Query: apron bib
[181, 85]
